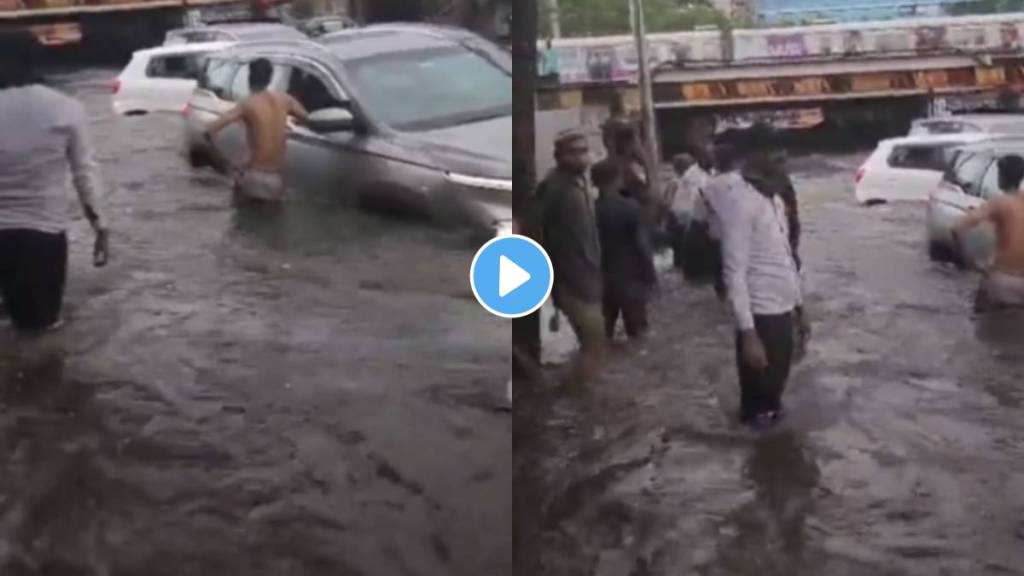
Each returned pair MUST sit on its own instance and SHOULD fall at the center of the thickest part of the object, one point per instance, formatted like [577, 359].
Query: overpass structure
[872, 72]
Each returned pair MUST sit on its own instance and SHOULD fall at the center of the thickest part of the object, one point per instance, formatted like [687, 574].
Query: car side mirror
[331, 120]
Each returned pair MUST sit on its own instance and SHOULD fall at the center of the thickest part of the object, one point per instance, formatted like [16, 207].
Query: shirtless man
[1003, 285]
[265, 115]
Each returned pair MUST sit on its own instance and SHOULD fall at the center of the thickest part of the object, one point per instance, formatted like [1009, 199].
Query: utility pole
[636, 8]
[525, 331]
[555, 19]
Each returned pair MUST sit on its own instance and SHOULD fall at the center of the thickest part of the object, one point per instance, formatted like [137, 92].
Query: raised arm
[976, 218]
[226, 119]
[297, 110]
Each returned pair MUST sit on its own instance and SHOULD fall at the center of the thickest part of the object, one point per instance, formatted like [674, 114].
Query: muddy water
[309, 394]
[902, 453]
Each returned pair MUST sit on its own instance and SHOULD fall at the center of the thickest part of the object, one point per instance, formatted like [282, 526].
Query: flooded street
[237, 394]
[903, 451]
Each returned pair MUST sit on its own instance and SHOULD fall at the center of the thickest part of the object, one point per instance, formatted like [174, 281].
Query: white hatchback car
[161, 79]
[908, 169]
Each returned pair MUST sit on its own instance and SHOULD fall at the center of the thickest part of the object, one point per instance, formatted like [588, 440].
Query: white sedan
[908, 169]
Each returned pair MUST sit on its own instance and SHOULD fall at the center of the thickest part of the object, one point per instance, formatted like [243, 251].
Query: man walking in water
[561, 217]
[764, 289]
[1003, 285]
[265, 115]
[44, 139]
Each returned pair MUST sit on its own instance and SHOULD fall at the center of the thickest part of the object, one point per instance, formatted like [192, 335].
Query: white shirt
[760, 271]
[687, 197]
[43, 148]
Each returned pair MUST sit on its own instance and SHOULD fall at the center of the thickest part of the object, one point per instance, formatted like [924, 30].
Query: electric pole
[636, 8]
[555, 18]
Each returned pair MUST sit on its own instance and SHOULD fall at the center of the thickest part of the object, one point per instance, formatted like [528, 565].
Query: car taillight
[186, 110]
[860, 174]
[116, 86]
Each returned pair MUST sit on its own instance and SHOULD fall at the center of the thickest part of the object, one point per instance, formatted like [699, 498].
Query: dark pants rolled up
[761, 392]
[33, 272]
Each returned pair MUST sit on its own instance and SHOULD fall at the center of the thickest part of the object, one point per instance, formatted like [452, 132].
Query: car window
[919, 157]
[218, 76]
[240, 84]
[969, 172]
[311, 89]
[452, 86]
[173, 66]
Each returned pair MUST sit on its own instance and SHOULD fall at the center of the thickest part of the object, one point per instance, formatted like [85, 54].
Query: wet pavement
[308, 393]
[902, 454]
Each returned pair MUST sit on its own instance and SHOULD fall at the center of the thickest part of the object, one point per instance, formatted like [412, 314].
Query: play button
[511, 276]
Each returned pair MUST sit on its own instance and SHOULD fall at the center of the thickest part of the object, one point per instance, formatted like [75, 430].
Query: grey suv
[410, 117]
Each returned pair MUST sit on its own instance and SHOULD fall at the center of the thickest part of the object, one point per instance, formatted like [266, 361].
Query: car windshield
[451, 86]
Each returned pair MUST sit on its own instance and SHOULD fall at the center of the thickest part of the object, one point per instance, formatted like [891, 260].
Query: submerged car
[412, 117]
[970, 180]
[907, 169]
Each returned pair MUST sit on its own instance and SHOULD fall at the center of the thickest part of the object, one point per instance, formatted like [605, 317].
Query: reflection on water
[767, 535]
[52, 483]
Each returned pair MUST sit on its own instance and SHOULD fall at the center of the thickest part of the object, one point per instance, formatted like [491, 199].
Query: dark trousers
[632, 308]
[761, 392]
[33, 271]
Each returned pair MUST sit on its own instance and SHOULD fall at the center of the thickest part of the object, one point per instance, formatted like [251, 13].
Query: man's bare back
[265, 116]
[1008, 218]
[266, 122]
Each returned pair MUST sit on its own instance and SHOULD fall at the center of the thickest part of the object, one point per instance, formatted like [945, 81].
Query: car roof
[248, 29]
[295, 47]
[924, 139]
[995, 144]
[357, 43]
[185, 48]
[983, 120]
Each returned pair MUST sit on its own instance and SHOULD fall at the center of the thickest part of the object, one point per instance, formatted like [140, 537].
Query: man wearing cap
[561, 217]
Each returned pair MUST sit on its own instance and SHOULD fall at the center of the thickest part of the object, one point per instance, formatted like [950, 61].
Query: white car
[161, 79]
[908, 169]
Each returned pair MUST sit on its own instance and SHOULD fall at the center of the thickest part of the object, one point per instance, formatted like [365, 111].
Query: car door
[332, 164]
[915, 171]
[980, 243]
[170, 81]
[966, 196]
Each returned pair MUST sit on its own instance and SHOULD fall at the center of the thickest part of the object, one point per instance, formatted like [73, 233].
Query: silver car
[971, 180]
[408, 117]
[1008, 124]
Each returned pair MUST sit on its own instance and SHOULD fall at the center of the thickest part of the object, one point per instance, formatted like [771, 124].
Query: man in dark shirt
[561, 217]
[627, 258]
